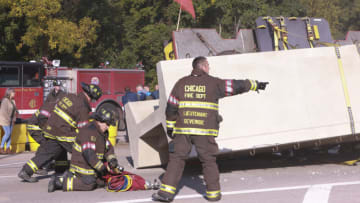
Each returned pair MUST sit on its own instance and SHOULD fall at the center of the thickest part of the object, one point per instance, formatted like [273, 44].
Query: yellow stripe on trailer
[345, 89]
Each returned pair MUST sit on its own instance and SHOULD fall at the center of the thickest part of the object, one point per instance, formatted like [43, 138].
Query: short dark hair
[197, 61]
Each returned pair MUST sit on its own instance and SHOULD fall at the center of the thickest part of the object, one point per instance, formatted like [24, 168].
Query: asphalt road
[312, 177]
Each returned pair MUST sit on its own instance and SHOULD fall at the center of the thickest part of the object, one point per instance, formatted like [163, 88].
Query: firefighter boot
[26, 177]
[160, 198]
[55, 183]
[214, 198]
[42, 172]
[152, 186]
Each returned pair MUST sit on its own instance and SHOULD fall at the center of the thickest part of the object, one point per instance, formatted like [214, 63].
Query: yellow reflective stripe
[69, 184]
[66, 117]
[196, 131]
[65, 139]
[129, 181]
[37, 112]
[74, 168]
[212, 194]
[33, 127]
[168, 188]
[100, 156]
[32, 165]
[111, 156]
[170, 124]
[98, 165]
[77, 147]
[201, 105]
[253, 85]
[48, 135]
[61, 163]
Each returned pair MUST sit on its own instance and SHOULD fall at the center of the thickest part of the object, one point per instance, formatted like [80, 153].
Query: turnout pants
[48, 151]
[80, 182]
[61, 162]
[206, 148]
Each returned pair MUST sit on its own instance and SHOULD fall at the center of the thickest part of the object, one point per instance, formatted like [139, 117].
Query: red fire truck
[33, 81]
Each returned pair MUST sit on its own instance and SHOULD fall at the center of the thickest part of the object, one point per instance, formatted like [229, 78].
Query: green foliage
[332, 13]
[48, 32]
[85, 33]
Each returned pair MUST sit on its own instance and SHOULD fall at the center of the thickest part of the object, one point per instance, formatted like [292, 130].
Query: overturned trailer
[312, 100]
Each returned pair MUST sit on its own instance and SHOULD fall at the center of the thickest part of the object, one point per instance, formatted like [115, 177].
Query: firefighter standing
[70, 113]
[90, 150]
[192, 118]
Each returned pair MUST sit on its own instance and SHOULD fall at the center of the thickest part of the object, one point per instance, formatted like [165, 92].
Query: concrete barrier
[147, 138]
[303, 102]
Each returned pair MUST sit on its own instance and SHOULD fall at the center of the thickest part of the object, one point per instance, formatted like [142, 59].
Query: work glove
[170, 133]
[113, 163]
[103, 171]
[261, 85]
[115, 167]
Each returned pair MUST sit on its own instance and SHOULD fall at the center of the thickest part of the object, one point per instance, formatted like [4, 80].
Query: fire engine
[33, 81]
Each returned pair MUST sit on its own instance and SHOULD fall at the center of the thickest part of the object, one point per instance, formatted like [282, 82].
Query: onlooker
[147, 93]
[140, 92]
[129, 96]
[7, 119]
[155, 94]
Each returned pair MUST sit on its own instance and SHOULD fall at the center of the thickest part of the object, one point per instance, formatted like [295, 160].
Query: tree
[47, 31]
[332, 13]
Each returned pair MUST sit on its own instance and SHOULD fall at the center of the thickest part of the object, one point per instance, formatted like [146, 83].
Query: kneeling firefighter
[92, 158]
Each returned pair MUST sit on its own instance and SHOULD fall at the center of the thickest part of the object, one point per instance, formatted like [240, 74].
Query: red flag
[187, 5]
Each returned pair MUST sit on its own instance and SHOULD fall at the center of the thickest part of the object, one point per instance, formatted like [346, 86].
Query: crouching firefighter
[37, 122]
[192, 118]
[70, 114]
[91, 150]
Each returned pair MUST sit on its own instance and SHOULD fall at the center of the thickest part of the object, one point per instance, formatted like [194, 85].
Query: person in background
[147, 93]
[129, 96]
[140, 92]
[155, 94]
[7, 119]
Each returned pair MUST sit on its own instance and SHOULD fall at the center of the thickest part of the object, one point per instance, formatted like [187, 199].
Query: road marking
[12, 164]
[325, 187]
[318, 194]
[8, 176]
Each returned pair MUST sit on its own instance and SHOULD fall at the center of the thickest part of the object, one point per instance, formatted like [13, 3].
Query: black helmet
[56, 83]
[93, 91]
[105, 115]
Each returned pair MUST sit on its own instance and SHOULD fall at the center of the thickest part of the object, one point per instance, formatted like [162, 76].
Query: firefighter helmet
[105, 115]
[56, 83]
[93, 91]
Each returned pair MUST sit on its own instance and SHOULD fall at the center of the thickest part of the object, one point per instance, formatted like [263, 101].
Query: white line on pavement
[8, 176]
[329, 185]
[12, 164]
[318, 194]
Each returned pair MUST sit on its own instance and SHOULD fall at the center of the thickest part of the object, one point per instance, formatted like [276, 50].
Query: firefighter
[56, 92]
[70, 113]
[37, 122]
[192, 118]
[90, 150]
